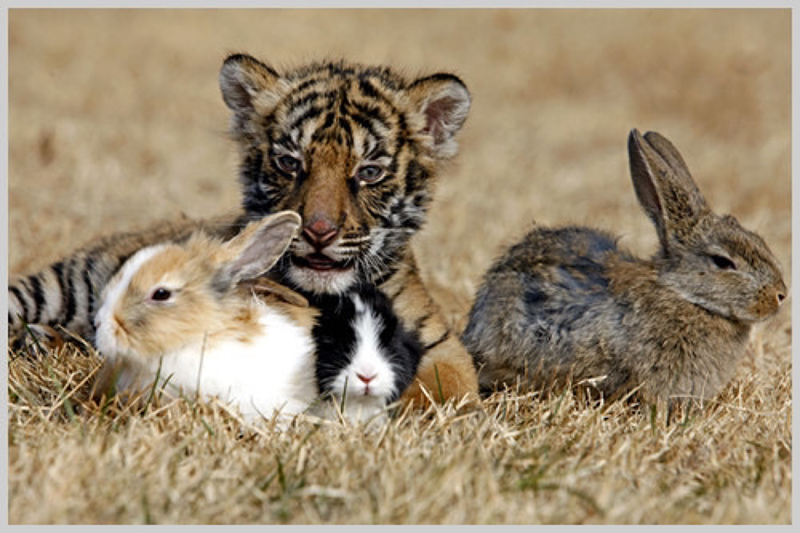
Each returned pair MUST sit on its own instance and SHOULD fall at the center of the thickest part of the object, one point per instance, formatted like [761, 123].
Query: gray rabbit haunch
[568, 305]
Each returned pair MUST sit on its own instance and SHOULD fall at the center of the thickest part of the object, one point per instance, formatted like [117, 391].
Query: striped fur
[355, 151]
[67, 294]
[337, 123]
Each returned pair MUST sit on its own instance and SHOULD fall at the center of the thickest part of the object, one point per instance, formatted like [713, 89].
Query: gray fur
[568, 304]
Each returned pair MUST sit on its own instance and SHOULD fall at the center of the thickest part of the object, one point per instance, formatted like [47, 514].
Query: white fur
[363, 401]
[273, 372]
[103, 320]
[322, 281]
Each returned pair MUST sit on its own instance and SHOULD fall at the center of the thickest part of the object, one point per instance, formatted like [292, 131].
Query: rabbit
[366, 357]
[197, 315]
[569, 304]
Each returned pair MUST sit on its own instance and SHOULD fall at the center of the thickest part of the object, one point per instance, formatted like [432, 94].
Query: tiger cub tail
[64, 296]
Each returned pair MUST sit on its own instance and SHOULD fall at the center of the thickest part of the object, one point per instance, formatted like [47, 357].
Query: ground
[115, 120]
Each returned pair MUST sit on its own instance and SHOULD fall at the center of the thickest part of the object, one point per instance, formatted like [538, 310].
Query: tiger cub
[355, 151]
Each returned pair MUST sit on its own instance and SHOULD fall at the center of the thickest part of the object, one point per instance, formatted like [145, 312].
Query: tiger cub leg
[446, 370]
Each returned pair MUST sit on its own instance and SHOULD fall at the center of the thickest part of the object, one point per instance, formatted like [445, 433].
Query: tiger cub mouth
[331, 268]
[321, 262]
[318, 273]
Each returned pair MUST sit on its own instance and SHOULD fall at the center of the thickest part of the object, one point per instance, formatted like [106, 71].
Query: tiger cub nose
[320, 232]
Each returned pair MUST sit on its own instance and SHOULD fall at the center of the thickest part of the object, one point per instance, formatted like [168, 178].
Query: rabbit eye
[161, 295]
[723, 262]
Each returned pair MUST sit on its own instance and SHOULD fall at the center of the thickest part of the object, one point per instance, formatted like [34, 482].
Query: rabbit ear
[664, 186]
[257, 248]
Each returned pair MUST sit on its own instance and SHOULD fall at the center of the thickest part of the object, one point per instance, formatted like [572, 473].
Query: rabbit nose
[780, 297]
[366, 379]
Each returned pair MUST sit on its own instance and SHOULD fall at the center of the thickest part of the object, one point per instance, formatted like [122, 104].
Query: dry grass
[115, 120]
[517, 459]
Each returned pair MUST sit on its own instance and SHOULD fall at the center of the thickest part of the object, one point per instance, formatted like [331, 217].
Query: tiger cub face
[353, 149]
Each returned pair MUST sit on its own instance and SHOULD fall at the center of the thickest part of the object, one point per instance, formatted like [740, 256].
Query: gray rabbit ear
[257, 248]
[664, 187]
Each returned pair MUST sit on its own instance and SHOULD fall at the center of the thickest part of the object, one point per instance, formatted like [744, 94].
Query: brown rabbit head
[172, 294]
[708, 259]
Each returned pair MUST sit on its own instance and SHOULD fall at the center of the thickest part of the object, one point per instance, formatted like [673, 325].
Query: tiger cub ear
[247, 84]
[443, 101]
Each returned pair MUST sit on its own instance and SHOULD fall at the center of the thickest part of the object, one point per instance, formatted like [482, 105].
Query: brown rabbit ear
[246, 84]
[257, 248]
[664, 186]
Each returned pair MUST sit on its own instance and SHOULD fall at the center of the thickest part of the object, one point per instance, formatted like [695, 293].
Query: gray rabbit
[568, 304]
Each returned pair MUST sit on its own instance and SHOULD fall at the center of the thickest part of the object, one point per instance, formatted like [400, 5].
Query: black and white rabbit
[366, 358]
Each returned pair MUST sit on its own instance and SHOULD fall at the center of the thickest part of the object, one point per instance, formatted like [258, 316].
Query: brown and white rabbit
[568, 303]
[195, 315]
